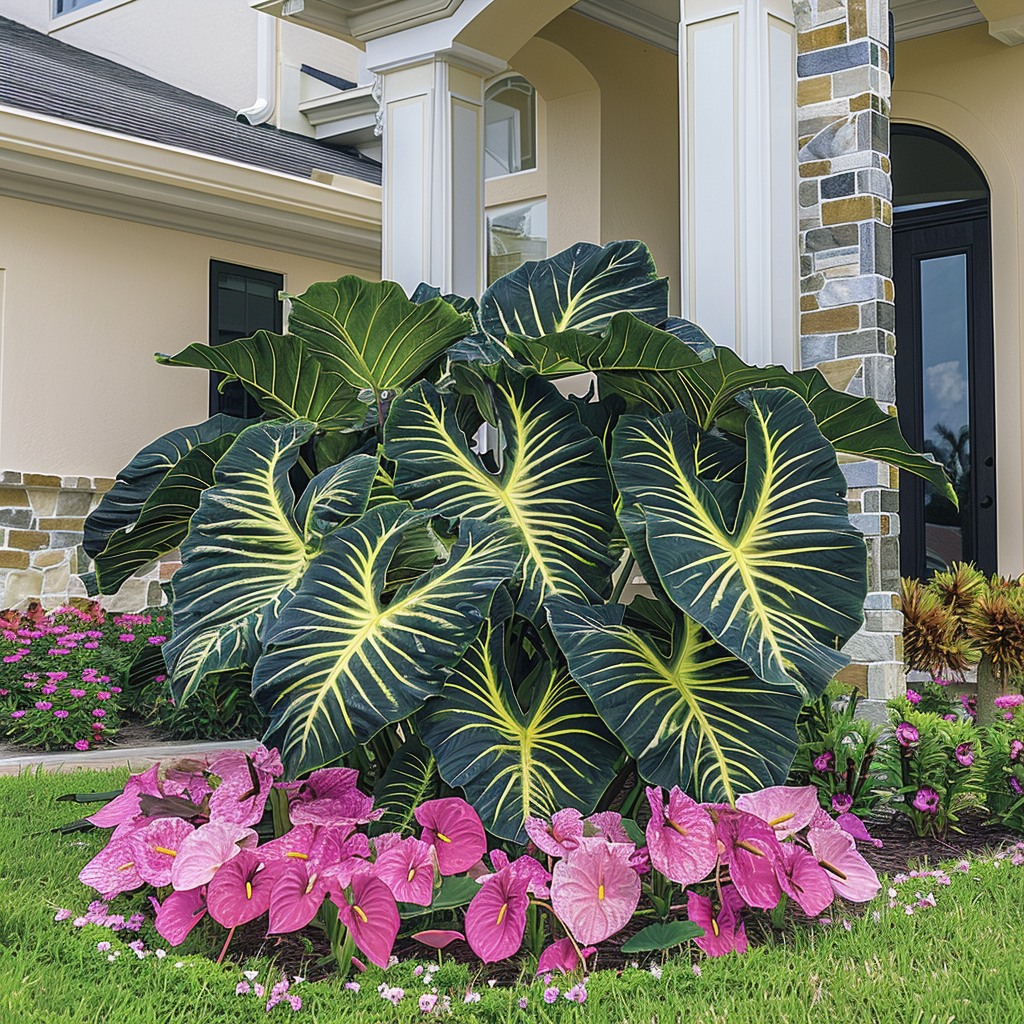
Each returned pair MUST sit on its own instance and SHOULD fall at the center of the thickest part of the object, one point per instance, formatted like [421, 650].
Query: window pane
[927, 171]
[946, 401]
[515, 234]
[510, 129]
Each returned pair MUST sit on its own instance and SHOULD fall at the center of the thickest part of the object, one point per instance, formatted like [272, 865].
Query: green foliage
[448, 572]
[221, 708]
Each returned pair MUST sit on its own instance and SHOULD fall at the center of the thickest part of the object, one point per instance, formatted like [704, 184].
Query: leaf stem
[624, 575]
[227, 942]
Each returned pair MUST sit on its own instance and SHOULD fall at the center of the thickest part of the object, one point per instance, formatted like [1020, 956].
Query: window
[510, 127]
[66, 6]
[242, 302]
[515, 234]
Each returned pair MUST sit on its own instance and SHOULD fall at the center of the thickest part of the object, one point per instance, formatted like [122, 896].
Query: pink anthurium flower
[680, 837]
[408, 868]
[594, 890]
[851, 824]
[202, 852]
[298, 893]
[562, 956]
[230, 762]
[802, 878]
[439, 938]
[246, 781]
[240, 890]
[155, 846]
[558, 837]
[787, 809]
[454, 829]
[723, 931]
[113, 870]
[751, 851]
[496, 916]
[179, 914]
[330, 797]
[851, 875]
[370, 914]
[126, 806]
[608, 825]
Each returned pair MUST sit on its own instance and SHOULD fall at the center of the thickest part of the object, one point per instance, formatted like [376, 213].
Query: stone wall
[847, 317]
[41, 558]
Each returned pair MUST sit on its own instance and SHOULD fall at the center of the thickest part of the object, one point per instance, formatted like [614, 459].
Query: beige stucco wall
[85, 301]
[971, 87]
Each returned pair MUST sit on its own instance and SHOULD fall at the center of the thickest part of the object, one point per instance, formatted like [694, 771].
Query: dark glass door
[945, 382]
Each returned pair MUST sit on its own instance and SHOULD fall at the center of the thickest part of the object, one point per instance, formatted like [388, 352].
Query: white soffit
[653, 21]
[926, 17]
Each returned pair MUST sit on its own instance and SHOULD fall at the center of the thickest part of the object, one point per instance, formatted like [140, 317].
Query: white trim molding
[1008, 30]
[47, 160]
[633, 19]
[916, 18]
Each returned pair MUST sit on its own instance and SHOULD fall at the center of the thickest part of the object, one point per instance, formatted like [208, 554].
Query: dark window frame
[61, 7]
[221, 267]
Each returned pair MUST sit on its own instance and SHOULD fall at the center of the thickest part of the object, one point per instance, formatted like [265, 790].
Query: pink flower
[801, 877]
[427, 1002]
[156, 640]
[594, 890]
[77, 693]
[17, 714]
[203, 851]
[496, 916]
[43, 705]
[60, 713]
[824, 762]
[48, 689]
[370, 914]
[965, 754]
[81, 744]
[455, 831]
[558, 837]
[752, 852]
[179, 914]
[680, 837]
[126, 638]
[1016, 749]
[439, 938]
[103, 695]
[788, 809]
[562, 956]
[98, 713]
[842, 802]
[913, 697]
[155, 847]
[907, 735]
[723, 931]
[853, 826]
[407, 868]
[926, 800]
[1009, 701]
[850, 874]
[240, 890]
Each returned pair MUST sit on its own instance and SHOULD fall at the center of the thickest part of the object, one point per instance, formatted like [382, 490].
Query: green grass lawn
[958, 962]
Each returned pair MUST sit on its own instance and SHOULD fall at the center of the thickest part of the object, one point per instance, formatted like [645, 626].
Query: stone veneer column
[847, 318]
[42, 518]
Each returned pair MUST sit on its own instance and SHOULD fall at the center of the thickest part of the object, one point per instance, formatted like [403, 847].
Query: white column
[433, 184]
[737, 111]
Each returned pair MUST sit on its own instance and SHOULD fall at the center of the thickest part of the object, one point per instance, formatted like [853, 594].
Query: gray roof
[47, 76]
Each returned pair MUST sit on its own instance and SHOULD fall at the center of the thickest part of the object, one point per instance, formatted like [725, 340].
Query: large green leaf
[691, 713]
[163, 520]
[553, 490]
[245, 553]
[582, 287]
[373, 334]
[410, 780]
[776, 574]
[122, 504]
[710, 391]
[336, 496]
[341, 664]
[626, 345]
[283, 375]
[515, 762]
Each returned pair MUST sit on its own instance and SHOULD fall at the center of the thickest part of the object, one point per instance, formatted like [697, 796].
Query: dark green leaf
[663, 935]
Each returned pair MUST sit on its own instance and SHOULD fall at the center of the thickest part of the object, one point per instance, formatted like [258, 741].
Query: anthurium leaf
[336, 496]
[163, 520]
[411, 779]
[452, 893]
[663, 935]
[553, 491]
[626, 345]
[691, 713]
[283, 375]
[243, 554]
[373, 334]
[121, 505]
[582, 287]
[340, 664]
[512, 761]
[776, 574]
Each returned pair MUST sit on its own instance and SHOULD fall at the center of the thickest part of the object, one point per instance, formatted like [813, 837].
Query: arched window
[510, 117]
[945, 375]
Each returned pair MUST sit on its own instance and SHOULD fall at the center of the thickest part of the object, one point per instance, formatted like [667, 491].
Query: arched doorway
[945, 379]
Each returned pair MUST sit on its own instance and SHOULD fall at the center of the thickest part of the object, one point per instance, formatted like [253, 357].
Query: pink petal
[594, 891]
[608, 825]
[851, 824]
[371, 916]
[751, 851]
[126, 806]
[407, 868]
[556, 838]
[179, 914]
[298, 893]
[802, 878]
[496, 917]
[240, 890]
[850, 874]
[724, 932]
[559, 956]
[205, 850]
[439, 939]
[454, 829]
[235, 801]
[113, 870]
[787, 809]
[680, 837]
[155, 847]
[350, 808]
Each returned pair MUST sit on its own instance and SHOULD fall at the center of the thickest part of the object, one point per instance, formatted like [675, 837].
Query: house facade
[817, 178]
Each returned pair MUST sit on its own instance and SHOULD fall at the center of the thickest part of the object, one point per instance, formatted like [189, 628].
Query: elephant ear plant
[418, 552]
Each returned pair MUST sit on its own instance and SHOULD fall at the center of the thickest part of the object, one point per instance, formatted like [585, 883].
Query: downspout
[266, 74]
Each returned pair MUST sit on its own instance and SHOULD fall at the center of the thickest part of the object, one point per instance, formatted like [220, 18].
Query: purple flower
[1015, 786]
[913, 697]
[965, 754]
[97, 712]
[926, 800]
[47, 690]
[17, 714]
[907, 735]
[43, 705]
[77, 693]
[970, 704]
[427, 1002]
[156, 640]
[949, 718]
[62, 915]
[60, 713]
[1016, 749]
[102, 695]
[82, 745]
[1009, 700]
[551, 994]
[824, 761]
[842, 802]
[1008, 716]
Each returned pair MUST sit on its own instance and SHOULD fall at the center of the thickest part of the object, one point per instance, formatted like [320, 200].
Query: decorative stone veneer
[847, 317]
[41, 558]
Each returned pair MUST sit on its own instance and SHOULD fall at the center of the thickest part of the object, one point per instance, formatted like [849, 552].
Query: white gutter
[266, 74]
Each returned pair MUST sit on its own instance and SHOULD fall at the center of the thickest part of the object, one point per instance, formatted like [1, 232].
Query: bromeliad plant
[419, 550]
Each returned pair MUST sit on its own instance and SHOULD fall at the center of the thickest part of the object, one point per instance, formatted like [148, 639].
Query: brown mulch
[307, 953]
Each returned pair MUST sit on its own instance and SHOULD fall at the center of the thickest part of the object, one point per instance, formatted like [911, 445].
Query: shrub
[222, 708]
[418, 552]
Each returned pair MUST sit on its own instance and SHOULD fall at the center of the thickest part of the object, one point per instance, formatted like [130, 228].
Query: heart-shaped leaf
[663, 935]
[411, 779]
